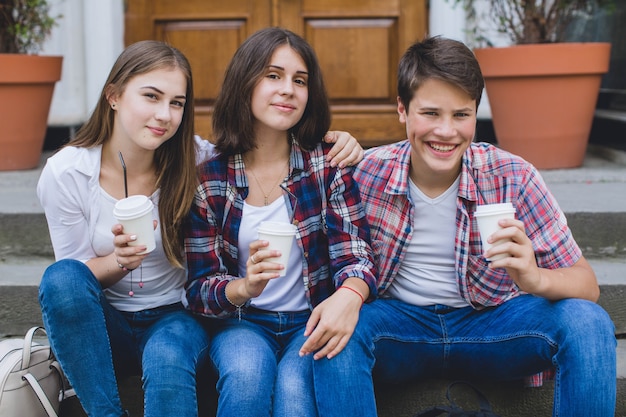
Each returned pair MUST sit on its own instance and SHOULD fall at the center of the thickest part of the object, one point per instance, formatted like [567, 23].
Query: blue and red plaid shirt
[333, 234]
[383, 178]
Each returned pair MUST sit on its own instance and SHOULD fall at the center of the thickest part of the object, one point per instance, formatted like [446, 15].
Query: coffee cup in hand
[488, 216]
[135, 214]
[280, 237]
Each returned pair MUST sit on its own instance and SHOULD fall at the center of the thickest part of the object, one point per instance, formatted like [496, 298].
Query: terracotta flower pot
[543, 98]
[26, 87]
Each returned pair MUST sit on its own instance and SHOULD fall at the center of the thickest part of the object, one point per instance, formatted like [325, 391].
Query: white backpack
[31, 380]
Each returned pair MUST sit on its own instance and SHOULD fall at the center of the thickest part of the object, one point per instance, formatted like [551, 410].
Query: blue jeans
[259, 370]
[95, 343]
[396, 342]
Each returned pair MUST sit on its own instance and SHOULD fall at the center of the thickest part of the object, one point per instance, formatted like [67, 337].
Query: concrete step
[19, 310]
[509, 399]
[19, 283]
[593, 198]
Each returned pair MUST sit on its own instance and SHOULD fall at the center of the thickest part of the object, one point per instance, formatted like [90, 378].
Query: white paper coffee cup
[280, 236]
[135, 214]
[487, 216]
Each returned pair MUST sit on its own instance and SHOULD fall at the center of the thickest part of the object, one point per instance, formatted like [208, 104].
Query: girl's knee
[64, 276]
[68, 286]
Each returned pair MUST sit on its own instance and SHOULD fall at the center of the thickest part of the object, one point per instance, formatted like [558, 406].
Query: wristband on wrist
[354, 291]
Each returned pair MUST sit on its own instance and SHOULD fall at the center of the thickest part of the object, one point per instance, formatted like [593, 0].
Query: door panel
[204, 43]
[358, 43]
[352, 73]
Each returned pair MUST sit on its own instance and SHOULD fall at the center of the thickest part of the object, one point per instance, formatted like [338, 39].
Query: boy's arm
[576, 281]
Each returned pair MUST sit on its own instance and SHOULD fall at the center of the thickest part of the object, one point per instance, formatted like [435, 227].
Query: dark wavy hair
[441, 58]
[175, 159]
[233, 121]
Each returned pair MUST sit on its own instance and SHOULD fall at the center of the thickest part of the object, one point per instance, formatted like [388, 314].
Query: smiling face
[150, 109]
[440, 125]
[280, 97]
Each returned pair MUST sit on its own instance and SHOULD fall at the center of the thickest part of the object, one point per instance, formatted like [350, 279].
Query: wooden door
[358, 43]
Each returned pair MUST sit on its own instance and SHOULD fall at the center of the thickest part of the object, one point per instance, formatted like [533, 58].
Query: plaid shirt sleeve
[552, 239]
[349, 234]
[333, 229]
[503, 177]
[208, 273]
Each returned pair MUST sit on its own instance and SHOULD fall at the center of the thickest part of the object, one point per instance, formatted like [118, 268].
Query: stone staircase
[593, 197]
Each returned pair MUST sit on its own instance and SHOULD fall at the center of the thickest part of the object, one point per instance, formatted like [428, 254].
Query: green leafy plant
[25, 25]
[528, 21]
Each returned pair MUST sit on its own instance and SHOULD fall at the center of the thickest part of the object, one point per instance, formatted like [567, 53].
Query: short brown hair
[441, 58]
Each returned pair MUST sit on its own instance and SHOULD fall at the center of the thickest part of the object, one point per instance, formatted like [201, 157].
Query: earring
[113, 106]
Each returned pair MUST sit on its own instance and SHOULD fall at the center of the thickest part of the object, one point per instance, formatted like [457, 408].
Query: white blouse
[79, 215]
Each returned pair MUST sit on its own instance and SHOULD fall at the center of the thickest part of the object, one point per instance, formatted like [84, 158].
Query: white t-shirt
[427, 274]
[282, 293]
[162, 283]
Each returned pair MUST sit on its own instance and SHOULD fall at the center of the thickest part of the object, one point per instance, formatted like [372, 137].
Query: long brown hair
[175, 159]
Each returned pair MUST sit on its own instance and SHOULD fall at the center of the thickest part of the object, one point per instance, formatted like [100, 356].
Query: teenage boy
[444, 309]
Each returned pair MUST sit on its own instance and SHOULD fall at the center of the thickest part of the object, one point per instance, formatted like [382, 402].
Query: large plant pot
[26, 87]
[543, 98]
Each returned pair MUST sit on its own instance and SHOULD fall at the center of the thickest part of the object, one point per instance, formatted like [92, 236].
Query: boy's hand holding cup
[487, 216]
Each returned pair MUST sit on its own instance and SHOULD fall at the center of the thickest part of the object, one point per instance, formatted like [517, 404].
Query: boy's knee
[588, 324]
[585, 316]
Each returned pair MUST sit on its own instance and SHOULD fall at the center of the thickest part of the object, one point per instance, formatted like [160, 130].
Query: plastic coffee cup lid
[132, 207]
[277, 228]
[489, 209]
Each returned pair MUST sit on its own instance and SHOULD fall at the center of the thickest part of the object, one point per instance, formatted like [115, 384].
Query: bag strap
[435, 411]
[482, 400]
[66, 390]
[28, 342]
[41, 395]
[454, 410]
[45, 402]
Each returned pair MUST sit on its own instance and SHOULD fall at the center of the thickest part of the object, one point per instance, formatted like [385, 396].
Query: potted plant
[26, 81]
[542, 90]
